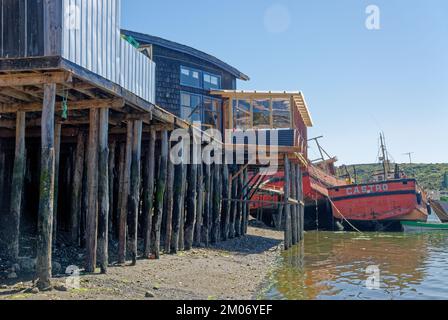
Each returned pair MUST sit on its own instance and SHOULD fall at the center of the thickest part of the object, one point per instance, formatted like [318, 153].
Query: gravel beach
[233, 270]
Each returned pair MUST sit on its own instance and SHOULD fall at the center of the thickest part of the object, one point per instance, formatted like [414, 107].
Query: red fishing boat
[381, 204]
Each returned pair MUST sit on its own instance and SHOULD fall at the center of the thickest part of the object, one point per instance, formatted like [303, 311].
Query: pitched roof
[148, 39]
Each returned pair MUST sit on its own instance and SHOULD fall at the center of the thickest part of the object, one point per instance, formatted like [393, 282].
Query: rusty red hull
[400, 200]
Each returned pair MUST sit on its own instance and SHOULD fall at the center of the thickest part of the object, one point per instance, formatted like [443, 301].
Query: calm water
[333, 266]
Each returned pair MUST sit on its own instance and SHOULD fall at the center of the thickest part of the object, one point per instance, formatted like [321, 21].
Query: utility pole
[409, 154]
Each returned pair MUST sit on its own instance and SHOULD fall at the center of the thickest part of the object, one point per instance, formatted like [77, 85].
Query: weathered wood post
[178, 198]
[239, 214]
[183, 210]
[200, 206]
[125, 188]
[112, 152]
[92, 191]
[294, 216]
[217, 203]
[170, 205]
[159, 197]
[148, 194]
[234, 208]
[287, 188]
[190, 220]
[226, 203]
[246, 204]
[134, 194]
[17, 184]
[57, 155]
[208, 204]
[301, 209]
[77, 189]
[103, 190]
[47, 173]
[2, 172]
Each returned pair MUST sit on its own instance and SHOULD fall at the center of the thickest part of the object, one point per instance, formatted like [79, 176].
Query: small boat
[416, 226]
[381, 204]
[441, 209]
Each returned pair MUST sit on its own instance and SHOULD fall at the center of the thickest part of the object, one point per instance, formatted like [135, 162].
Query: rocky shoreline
[232, 270]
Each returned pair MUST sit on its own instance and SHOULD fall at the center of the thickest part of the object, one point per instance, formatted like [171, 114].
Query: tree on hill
[445, 181]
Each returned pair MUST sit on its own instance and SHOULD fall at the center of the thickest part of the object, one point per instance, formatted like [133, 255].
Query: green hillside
[430, 176]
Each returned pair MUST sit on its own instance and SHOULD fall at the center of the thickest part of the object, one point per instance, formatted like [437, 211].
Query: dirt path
[232, 270]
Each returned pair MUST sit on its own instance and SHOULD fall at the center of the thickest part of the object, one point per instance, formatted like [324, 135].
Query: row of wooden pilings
[126, 187]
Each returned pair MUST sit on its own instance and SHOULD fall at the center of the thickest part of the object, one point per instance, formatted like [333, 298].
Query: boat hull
[411, 226]
[397, 200]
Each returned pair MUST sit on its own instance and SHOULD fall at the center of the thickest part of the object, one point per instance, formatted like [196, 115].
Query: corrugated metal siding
[91, 38]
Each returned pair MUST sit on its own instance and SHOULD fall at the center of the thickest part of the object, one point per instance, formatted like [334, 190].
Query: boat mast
[385, 158]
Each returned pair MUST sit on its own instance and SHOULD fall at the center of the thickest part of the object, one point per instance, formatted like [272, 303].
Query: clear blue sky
[357, 82]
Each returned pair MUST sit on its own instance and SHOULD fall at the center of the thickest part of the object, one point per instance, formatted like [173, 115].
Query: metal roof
[153, 40]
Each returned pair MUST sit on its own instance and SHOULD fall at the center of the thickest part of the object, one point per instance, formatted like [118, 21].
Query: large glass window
[281, 113]
[191, 107]
[190, 77]
[211, 81]
[242, 115]
[262, 113]
[212, 110]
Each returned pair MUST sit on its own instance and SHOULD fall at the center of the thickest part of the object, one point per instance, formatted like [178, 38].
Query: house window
[212, 110]
[242, 114]
[211, 81]
[262, 113]
[281, 113]
[190, 77]
[191, 107]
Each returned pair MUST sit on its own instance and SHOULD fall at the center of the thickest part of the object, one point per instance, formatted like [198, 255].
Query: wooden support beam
[2, 173]
[17, 185]
[75, 105]
[287, 207]
[190, 220]
[159, 197]
[34, 79]
[92, 191]
[148, 194]
[57, 155]
[183, 211]
[238, 219]
[294, 216]
[200, 206]
[112, 158]
[178, 198]
[47, 173]
[217, 203]
[134, 199]
[207, 207]
[233, 209]
[226, 189]
[301, 209]
[103, 190]
[247, 205]
[124, 193]
[169, 207]
[77, 189]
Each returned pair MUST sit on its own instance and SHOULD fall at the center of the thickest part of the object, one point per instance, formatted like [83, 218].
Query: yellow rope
[351, 225]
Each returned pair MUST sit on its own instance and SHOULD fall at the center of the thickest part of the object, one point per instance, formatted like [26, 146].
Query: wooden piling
[200, 206]
[57, 156]
[2, 173]
[134, 195]
[103, 190]
[159, 197]
[177, 206]
[294, 211]
[234, 208]
[111, 168]
[77, 189]
[190, 220]
[208, 205]
[247, 204]
[287, 207]
[301, 209]
[239, 213]
[148, 194]
[124, 193]
[17, 185]
[47, 173]
[169, 206]
[217, 203]
[183, 210]
[92, 191]
[226, 206]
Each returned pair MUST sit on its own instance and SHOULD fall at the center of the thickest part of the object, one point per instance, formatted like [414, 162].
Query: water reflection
[333, 266]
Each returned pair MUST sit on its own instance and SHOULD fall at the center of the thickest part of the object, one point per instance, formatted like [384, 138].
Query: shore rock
[28, 265]
[150, 294]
